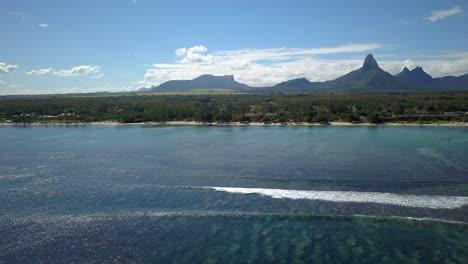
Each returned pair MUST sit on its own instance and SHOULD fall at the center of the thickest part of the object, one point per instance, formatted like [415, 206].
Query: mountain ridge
[205, 81]
[370, 78]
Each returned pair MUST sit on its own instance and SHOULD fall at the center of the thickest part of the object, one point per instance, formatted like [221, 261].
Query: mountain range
[370, 78]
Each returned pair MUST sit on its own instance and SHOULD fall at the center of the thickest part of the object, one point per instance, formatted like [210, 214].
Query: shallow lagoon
[132, 193]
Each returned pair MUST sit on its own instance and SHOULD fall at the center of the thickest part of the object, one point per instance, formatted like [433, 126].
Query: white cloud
[6, 68]
[442, 14]
[264, 67]
[194, 49]
[43, 25]
[437, 65]
[97, 76]
[257, 67]
[75, 71]
[193, 55]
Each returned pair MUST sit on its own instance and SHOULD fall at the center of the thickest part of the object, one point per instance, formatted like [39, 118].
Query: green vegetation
[278, 108]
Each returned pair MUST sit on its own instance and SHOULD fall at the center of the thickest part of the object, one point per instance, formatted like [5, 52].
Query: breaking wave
[408, 200]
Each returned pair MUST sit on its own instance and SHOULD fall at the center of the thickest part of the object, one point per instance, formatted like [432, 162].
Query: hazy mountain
[417, 75]
[300, 85]
[370, 78]
[452, 83]
[295, 83]
[416, 79]
[202, 82]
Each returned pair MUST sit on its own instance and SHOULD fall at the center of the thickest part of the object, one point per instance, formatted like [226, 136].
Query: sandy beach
[195, 123]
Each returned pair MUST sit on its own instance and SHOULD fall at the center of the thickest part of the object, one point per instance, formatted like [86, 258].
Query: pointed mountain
[404, 72]
[370, 63]
[414, 78]
[419, 74]
[369, 78]
[202, 82]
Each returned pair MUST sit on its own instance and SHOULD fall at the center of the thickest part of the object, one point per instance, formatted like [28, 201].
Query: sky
[70, 46]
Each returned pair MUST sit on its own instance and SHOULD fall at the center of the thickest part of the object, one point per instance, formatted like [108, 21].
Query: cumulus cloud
[194, 54]
[43, 25]
[264, 67]
[442, 14]
[75, 71]
[6, 68]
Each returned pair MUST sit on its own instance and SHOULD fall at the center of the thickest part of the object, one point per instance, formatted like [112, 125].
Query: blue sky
[65, 46]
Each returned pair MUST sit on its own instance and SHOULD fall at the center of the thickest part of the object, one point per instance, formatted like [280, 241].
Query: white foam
[409, 200]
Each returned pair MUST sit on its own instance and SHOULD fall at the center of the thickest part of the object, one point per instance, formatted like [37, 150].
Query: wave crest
[408, 200]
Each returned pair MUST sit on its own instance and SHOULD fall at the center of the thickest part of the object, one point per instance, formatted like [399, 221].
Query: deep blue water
[135, 193]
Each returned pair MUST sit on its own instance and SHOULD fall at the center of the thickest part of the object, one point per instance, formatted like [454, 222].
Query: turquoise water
[233, 194]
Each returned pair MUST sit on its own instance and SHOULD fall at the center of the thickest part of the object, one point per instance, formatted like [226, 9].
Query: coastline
[195, 123]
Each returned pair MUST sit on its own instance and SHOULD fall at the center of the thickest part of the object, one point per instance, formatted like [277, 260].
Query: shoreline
[195, 123]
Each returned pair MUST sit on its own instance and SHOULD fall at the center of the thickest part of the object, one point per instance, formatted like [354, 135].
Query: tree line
[278, 108]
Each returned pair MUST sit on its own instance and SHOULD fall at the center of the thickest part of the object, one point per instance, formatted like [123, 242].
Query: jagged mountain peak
[405, 70]
[416, 76]
[369, 78]
[418, 69]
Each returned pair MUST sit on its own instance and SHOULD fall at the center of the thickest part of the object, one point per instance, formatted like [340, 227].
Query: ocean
[233, 194]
